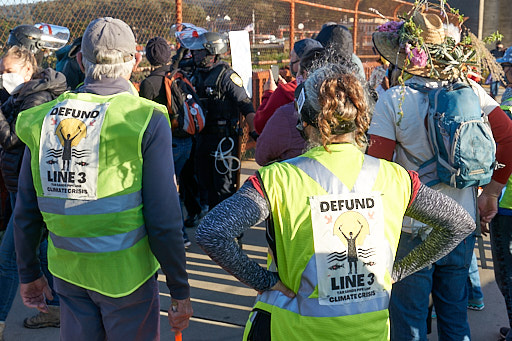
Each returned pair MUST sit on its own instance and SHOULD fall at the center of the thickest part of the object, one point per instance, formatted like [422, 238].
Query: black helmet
[213, 42]
[27, 36]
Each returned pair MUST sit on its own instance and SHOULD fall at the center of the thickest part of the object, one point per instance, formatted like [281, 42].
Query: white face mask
[11, 81]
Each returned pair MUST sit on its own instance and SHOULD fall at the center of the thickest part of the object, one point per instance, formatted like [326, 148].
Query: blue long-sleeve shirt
[161, 210]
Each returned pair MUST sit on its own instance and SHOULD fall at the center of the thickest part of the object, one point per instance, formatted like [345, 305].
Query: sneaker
[476, 306]
[504, 331]
[187, 243]
[204, 211]
[43, 320]
[2, 327]
[239, 241]
[191, 221]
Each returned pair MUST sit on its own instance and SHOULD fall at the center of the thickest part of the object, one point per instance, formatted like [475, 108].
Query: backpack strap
[177, 74]
[225, 68]
[427, 170]
[418, 87]
[213, 80]
[162, 73]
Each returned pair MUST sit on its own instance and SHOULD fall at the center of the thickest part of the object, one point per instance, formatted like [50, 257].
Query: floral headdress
[427, 43]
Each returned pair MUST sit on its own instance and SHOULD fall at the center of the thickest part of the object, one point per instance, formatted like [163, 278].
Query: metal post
[253, 29]
[292, 24]
[356, 20]
[481, 19]
[179, 12]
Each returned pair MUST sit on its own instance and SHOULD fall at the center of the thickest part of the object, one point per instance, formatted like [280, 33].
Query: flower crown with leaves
[427, 43]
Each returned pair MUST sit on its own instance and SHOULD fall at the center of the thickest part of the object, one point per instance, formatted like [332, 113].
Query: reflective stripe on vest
[330, 182]
[107, 232]
[116, 242]
[305, 306]
[88, 207]
[301, 304]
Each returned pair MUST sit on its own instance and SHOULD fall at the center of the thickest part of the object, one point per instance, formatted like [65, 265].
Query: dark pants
[501, 246]
[181, 149]
[9, 270]
[446, 280]
[219, 186]
[189, 188]
[86, 315]
[494, 88]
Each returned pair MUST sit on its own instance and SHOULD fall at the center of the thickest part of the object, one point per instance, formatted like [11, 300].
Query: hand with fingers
[270, 84]
[279, 286]
[488, 204]
[180, 313]
[34, 294]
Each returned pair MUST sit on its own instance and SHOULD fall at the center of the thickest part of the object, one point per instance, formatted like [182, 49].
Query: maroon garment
[285, 93]
[280, 139]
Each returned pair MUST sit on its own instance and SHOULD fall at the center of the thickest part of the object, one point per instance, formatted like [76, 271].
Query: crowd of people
[362, 241]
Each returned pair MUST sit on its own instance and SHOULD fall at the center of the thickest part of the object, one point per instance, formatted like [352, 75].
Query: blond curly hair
[341, 101]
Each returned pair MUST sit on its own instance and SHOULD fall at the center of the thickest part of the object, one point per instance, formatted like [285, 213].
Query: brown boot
[2, 328]
[43, 320]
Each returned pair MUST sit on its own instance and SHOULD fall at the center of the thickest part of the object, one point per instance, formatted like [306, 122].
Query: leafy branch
[495, 36]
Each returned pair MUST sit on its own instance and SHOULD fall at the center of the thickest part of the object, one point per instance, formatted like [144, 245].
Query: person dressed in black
[66, 151]
[224, 98]
[498, 52]
[158, 53]
[352, 250]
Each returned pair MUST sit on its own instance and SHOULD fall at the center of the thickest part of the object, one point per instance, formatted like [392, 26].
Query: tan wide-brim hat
[388, 46]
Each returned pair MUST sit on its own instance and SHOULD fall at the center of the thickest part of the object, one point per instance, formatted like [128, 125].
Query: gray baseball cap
[111, 34]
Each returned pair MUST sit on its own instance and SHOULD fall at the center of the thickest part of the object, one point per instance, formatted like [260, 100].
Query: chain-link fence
[147, 18]
[271, 22]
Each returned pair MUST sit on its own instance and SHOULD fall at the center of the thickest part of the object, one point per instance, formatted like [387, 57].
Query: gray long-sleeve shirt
[217, 232]
[161, 210]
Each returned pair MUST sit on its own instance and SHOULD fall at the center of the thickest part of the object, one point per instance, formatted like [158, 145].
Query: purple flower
[417, 56]
[390, 26]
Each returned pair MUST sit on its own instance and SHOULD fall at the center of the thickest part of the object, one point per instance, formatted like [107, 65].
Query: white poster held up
[241, 57]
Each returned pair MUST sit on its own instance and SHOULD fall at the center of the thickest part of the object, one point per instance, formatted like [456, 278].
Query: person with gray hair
[112, 213]
[310, 203]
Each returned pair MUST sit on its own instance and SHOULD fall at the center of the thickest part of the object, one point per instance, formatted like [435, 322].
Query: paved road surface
[222, 305]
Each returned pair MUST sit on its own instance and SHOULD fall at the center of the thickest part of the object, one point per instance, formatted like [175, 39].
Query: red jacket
[285, 93]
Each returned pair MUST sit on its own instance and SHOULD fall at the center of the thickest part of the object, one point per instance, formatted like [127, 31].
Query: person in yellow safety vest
[98, 170]
[506, 97]
[313, 205]
[501, 224]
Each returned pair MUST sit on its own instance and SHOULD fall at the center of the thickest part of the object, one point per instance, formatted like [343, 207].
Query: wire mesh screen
[269, 21]
[147, 18]
[273, 24]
